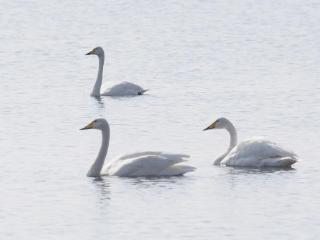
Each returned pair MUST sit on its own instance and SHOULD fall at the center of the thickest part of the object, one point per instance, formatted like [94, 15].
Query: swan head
[99, 123]
[96, 51]
[220, 123]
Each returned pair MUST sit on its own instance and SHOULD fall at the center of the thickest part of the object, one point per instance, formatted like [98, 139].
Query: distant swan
[257, 152]
[120, 89]
[143, 164]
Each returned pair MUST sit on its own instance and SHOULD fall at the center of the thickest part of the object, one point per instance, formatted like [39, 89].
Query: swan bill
[91, 52]
[89, 126]
[212, 126]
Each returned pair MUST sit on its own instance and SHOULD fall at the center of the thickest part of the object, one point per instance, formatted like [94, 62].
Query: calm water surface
[255, 62]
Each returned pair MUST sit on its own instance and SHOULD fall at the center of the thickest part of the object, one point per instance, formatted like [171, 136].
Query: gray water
[255, 62]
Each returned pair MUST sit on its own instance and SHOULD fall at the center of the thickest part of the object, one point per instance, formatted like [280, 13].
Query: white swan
[256, 152]
[143, 164]
[120, 89]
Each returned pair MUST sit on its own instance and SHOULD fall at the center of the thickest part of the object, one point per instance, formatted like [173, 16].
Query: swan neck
[233, 136]
[96, 167]
[97, 85]
[233, 142]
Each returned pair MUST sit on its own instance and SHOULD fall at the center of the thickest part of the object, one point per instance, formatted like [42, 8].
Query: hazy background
[255, 62]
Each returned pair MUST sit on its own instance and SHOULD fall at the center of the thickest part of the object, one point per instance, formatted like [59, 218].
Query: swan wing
[259, 152]
[176, 157]
[148, 164]
[138, 154]
[123, 89]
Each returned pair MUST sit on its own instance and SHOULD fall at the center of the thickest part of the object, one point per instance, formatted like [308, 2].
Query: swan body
[256, 152]
[120, 89]
[124, 89]
[143, 164]
[259, 153]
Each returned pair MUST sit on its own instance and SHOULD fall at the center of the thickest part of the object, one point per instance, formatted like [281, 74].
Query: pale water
[255, 62]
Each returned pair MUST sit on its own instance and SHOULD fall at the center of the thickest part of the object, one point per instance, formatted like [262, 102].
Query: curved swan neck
[96, 167]
[97, 85]
[233, 141]
[233, 136]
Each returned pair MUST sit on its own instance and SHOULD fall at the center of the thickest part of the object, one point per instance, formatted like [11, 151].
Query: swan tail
[279, 162]
[143, 91]
[186, 168]
[177, 170]
[287, 161]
